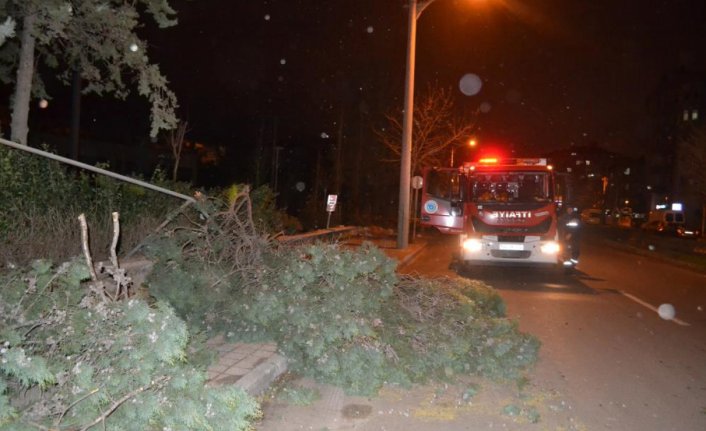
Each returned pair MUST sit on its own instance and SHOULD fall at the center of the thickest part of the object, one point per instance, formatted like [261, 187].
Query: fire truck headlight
[550, 248]
[472, 245]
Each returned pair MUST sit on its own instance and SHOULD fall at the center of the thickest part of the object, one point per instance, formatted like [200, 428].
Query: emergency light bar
[510, 162]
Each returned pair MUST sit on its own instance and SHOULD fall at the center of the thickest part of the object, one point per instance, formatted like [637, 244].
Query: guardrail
[52, 156]
[321, 234]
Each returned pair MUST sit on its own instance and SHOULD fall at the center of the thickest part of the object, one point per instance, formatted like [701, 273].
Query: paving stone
[237, 371]
[224, 348]
[235, 356]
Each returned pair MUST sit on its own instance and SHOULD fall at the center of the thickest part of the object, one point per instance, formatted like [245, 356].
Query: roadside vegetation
[80, 351]
[340, 316]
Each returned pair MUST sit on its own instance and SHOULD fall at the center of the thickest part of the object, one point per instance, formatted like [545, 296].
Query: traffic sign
[331, 203]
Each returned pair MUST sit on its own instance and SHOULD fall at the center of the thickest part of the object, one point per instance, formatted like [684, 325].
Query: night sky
[555, 72]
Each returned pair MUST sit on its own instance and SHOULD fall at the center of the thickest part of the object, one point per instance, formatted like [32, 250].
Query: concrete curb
[261, 377]
[417, 249]
[657, 255]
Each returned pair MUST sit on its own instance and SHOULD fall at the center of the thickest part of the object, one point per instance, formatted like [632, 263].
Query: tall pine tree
[96, 38]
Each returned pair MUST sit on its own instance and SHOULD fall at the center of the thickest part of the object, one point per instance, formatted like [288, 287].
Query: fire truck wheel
[568, 270]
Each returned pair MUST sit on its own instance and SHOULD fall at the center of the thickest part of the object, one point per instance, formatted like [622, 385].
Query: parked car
[684, 232]
[669, 222]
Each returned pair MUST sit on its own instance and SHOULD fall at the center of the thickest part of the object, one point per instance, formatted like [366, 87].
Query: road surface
[604, 345]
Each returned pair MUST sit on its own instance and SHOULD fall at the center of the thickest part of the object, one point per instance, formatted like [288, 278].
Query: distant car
[675, 229]
[684, 232]
[669, 222]
[591, 216]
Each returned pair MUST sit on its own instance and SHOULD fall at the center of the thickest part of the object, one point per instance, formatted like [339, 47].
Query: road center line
[651, 307]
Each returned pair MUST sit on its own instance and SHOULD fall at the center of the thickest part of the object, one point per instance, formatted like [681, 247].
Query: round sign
[417, 182]
[431, 206]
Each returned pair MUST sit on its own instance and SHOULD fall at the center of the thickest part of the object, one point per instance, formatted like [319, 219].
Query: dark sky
[554, 72]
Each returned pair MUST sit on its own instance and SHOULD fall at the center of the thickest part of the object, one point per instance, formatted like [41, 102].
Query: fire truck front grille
[537, 229]
[510, 254]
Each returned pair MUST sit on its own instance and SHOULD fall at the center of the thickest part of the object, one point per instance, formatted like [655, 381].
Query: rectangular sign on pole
[331, 203]
[330, 207]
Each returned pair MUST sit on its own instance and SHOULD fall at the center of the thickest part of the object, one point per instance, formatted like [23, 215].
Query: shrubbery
[42, 198]
[341, 316]
[101, 364]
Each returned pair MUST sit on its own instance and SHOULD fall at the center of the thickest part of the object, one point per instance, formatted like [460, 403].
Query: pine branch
[66, 410]
[121, 401]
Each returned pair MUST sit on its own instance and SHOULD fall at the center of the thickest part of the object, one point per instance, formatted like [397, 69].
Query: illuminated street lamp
[415, 10]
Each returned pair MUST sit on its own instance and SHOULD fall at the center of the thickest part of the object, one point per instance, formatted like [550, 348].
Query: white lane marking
[651, 307]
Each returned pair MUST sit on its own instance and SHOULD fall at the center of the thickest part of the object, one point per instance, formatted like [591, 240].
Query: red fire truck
[505, 211]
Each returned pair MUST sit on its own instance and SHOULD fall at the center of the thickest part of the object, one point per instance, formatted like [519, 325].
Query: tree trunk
[23, 87]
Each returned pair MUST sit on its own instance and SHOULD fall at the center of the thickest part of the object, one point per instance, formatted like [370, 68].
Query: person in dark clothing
[570, 234]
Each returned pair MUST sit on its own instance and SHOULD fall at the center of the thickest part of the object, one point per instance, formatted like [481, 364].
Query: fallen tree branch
[120, 401]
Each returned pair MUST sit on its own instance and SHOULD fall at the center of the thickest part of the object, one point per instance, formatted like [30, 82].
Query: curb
[259, 378]
[630, 248]
[417, 249]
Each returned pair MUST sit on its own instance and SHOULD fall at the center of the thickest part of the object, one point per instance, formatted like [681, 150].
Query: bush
[42, 198]
[72, 360]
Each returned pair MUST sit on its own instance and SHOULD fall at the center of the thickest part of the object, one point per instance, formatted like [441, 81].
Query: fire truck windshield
[511, 187]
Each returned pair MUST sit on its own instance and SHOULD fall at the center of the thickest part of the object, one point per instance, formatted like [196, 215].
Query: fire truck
[505, 211]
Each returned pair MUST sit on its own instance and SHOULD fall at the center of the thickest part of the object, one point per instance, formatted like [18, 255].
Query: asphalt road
[605, 348]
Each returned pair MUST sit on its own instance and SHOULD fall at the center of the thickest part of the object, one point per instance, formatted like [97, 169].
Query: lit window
[579, 162]
[588, 163]
[686, 115]
[695, 114]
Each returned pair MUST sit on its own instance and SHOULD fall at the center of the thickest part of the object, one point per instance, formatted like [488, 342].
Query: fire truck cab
[506, 212]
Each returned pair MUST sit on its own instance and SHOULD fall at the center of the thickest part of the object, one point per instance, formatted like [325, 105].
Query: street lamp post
[406, 153]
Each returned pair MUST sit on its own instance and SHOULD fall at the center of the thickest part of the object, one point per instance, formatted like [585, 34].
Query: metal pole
[406, 152]
[414, 215]
[78, 164]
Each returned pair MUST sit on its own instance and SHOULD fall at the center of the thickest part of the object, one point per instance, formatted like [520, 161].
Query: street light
[415, 10]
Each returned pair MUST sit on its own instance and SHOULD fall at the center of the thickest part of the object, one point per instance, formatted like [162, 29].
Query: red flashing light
[489, 160]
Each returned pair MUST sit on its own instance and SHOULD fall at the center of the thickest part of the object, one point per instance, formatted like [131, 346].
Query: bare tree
[437, 129]
[176, 142]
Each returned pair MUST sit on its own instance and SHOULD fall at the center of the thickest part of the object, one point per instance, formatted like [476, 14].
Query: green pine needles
[339, 315]
[72, 361]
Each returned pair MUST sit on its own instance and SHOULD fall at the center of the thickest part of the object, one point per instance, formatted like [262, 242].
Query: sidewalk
[254, 366]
